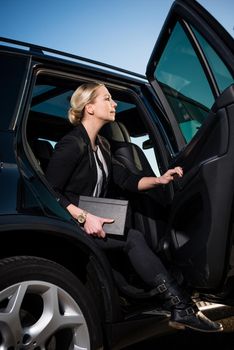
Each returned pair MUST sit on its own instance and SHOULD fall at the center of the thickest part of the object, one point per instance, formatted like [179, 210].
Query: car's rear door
[192, 71]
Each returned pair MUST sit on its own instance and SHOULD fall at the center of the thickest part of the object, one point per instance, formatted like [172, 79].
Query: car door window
[221, 73]
[149, 151]
[183, 80]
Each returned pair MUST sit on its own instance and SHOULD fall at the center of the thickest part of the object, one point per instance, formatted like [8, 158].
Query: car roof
[65, 57]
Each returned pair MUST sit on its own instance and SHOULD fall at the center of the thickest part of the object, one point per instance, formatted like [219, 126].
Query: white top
[99, 184]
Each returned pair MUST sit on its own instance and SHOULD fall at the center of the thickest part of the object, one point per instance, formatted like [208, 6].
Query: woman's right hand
[94, 225]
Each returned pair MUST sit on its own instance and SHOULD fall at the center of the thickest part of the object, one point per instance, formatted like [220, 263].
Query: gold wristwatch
[82, 217]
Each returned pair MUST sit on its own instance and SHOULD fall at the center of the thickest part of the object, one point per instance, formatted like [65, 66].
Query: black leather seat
[125, 151]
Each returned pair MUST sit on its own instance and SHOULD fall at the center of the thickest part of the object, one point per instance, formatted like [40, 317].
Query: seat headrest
[116, 131]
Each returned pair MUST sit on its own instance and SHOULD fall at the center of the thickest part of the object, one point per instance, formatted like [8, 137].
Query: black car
[57, 289]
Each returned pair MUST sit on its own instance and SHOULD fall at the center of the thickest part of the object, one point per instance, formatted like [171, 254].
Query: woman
[82, 165]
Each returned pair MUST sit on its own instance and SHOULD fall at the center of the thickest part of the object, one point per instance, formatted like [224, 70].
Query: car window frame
[191, 14]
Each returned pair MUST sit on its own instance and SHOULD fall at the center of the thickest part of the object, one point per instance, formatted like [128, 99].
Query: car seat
[128, 153]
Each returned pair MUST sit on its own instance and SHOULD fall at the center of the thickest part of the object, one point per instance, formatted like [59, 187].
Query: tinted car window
[51, 100]
[221, 73]
[184, 82]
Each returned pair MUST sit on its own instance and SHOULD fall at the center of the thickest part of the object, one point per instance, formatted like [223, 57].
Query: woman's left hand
[170, 175]
[148, 182]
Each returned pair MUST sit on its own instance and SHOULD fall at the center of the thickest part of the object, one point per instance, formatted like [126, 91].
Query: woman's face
[103, 106]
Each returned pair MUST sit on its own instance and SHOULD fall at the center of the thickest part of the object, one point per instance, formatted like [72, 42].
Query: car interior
[178, 225]
[129, 140]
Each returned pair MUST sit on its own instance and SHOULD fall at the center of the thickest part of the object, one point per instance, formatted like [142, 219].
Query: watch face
[81, 218]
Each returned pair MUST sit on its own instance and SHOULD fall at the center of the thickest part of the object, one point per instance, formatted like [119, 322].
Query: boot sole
[178, 325]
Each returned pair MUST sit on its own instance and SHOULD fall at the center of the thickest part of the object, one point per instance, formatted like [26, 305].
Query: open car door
[191, 70]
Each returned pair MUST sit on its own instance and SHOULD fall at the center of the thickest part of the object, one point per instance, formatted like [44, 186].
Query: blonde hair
[83, 95]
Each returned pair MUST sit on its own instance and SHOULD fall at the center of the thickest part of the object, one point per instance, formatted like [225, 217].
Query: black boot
[184, 312]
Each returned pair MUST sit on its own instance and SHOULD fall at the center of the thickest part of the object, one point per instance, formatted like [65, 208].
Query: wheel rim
[41, 316]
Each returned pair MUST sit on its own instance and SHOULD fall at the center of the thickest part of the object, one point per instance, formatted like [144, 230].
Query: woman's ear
[89, 108]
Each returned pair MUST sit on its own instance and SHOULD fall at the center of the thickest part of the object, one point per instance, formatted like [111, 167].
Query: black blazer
[72, 169]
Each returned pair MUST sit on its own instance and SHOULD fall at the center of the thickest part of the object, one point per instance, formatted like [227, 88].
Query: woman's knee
[135, 239]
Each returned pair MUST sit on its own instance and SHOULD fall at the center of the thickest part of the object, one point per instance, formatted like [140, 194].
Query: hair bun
[74, 116]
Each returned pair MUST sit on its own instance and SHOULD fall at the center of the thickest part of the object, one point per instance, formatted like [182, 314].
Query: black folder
[115, 209]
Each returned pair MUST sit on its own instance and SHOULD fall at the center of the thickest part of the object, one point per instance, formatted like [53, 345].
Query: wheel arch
[83, 259]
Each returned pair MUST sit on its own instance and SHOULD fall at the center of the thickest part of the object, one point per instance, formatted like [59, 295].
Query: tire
[44, 306]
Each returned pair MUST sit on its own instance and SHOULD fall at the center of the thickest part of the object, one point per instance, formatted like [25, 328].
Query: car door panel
[201, 217]
[211, 140]
[191, 70]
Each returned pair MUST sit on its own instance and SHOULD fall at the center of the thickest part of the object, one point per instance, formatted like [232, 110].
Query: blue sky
[118, 32]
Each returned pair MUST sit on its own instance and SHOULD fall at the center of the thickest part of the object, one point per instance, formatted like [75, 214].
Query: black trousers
[144, 261]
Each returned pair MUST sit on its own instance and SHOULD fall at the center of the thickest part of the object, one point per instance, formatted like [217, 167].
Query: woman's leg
[145, 262]
[184, 312]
